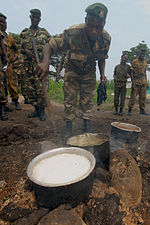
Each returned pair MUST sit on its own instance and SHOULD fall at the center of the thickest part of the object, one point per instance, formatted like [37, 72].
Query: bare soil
[20, 142]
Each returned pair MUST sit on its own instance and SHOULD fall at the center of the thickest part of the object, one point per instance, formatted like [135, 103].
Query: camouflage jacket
[80, 57]
[41, 37]
[11, 46]
[121, 73]
[139, 71]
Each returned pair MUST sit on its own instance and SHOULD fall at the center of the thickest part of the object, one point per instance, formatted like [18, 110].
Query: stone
[126, 177]
[62, 216]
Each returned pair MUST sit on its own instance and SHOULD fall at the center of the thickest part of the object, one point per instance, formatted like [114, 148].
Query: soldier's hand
[42, 69]
[103, 79]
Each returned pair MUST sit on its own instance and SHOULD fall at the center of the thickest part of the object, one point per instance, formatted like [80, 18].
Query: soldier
[12, 54]
[84, 44]
[139, 82]
[33, 84]
[121, 74]
[3, 98]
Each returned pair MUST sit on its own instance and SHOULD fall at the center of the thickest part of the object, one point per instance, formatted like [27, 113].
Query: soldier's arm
[101, 66]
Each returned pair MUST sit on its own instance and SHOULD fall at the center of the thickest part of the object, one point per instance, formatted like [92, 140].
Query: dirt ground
[20, 139]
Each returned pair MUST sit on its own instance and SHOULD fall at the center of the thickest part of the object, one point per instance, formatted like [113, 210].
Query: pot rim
[116, 125]
[53, 152]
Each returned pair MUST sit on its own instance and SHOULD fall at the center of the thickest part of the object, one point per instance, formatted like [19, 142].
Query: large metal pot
[125, 132]
[95, 143]
[51, 195]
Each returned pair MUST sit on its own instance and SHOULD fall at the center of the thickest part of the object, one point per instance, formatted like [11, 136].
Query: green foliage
[134, 51]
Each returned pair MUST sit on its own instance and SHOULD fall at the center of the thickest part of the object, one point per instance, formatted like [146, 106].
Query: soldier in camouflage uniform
[12, 54]
[139, 82]
[121, 74]
[83, 44]
[3, 98]
[33, 84]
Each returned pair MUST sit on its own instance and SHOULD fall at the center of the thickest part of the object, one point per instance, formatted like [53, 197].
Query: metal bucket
[125, 132]
[95, 143]
[52, 195]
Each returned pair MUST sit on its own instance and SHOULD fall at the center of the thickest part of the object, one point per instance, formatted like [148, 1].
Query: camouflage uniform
[12, 77]
[2, 86]
[32, 84]
[139, 83]
[121, 73]
[80, 67]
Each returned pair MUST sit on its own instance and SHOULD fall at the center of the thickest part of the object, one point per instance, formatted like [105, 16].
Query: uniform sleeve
[104, 46]
[60, 43]
[12, 47]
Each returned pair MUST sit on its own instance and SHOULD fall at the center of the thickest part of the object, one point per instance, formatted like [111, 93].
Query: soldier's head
[142, 54]
[35, 17]
[124, 58]
[3, 22]
[95, 20]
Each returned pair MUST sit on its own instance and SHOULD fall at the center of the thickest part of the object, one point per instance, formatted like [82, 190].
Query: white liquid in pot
[61, 168]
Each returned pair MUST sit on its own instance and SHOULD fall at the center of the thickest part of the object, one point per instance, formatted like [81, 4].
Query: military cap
[35, 11]
[97, 10]
[2, 15]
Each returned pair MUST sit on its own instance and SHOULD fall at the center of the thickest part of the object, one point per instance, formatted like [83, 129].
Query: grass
[56, 93]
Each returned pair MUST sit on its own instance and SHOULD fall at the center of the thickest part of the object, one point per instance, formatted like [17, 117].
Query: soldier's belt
[139, 76]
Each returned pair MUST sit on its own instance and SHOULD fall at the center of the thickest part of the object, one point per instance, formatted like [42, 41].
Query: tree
[134, 51]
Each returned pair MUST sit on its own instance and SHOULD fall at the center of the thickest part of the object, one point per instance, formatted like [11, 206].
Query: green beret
[35, 11]
[2, 15]
[97, 10]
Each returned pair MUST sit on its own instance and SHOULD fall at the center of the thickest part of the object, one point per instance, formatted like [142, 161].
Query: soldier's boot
[116, 111]
[142, 112]
[121, 111]
[68, 130]
[17, 105]
[26, 101]
[3, 113]
[6, 108]
[129, 111]
[35, 113]
[42, 115]
[86, 126]
[12, 102]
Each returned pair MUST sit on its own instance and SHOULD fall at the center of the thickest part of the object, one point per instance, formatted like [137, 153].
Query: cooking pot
[95, 143]
[73, 191]
[125, 132]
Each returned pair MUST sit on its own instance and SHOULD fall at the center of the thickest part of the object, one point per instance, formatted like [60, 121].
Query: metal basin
[52, 194]
[125, 132]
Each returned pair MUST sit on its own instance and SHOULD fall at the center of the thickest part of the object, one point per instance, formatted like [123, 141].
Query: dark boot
[35, 113]
[86, 126]
[6, 108]
[42, 115]
[12, 102]
[142, 112]
[3, 112]
[116, 111]
[68, 130]
[17, 105]
[129, 111]
[26, 101]
[121, 111]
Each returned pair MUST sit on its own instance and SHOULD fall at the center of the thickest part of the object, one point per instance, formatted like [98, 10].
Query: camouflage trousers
[82, 85]
[119, 96]
[138, 90]
[34, 90]
[13, 86]
[3, 98]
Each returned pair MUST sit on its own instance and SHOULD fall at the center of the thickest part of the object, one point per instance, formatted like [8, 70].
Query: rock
[126, 177]
[104, 211]
[62, 216]
[33, 218]
[11, 212]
